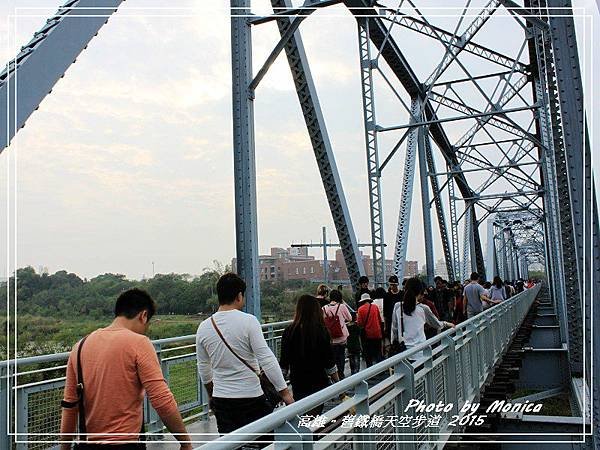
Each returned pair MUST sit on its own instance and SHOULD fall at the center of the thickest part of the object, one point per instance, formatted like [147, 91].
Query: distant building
[295, 264]
[441, 269]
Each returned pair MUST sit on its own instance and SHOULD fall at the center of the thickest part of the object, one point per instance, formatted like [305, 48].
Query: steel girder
[45, 59]
[454, 227]
[439, 209]
[373, 168]
[321, 144]
[389, 50]
[406, 194]
[425, 208]
[573, 174]
[244, 164]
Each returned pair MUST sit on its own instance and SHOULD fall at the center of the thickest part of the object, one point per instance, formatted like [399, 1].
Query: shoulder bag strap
[368, 313]
[82, 429]
[338, 309]
[212, 320]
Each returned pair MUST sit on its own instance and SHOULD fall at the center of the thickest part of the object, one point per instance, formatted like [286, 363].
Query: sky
[128, 162]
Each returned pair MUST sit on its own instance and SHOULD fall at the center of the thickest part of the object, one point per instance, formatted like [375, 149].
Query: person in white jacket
[410, 316]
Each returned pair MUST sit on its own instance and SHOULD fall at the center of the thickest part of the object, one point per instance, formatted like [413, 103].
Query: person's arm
[284, 359]
[161, 398]
[482, 294]
[346, 314]
[204, 368]
[360, 317]
[433, 321]
[394, 333]
[68, 421]
[267, 361]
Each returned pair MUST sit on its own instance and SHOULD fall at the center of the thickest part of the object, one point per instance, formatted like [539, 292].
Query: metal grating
[386, 435]
[43, 416]
[183, 382]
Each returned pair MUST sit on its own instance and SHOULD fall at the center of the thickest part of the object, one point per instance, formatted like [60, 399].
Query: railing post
[22, 414]
[407, 385]
[152, 419]
[362, 407]
[288, 432]
[451, 391]
[5, 443]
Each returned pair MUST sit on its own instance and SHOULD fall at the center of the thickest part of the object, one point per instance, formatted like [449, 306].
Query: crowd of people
[107, 377]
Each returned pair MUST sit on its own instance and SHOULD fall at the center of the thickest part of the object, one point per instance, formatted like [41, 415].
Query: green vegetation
[55, 311]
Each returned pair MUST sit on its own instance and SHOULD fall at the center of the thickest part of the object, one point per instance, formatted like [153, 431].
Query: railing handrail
[54, 357]
[276, 418]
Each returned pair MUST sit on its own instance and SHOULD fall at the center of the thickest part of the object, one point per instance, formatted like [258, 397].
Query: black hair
[497, 282]
[474, 276]
[336, 296]
[228, 288]
[379, 293]
[412, 289]
[308, 324]
[363, 279]
[132, 302]
[438, 278]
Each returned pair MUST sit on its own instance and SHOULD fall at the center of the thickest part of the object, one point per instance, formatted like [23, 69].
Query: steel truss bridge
[499, 138]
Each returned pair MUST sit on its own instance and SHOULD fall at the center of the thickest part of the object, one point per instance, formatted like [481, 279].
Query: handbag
[271, 394]
[81, 412]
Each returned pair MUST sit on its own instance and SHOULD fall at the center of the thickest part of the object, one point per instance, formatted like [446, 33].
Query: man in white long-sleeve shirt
[234, 391]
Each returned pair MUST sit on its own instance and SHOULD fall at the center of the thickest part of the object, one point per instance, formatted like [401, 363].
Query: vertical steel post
[374, 174]
[454, 225]
[573, 175]
[427, 233]
[325, 262]
[466, 242]
[244, 163]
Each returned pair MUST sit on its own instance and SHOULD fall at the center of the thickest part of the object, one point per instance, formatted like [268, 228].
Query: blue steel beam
[244, 163]
[317, 130]
[32, 74]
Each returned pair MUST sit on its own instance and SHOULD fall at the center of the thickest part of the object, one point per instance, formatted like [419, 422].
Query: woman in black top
[306, 351]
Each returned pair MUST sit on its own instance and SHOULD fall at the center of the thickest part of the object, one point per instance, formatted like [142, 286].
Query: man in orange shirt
[117, 364]
[368, 319]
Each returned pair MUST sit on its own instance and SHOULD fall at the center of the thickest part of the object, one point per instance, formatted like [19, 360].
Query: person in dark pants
[363, 288]
[353, 345]
[337, 309]
[392, 296]
[306, 351]
[368, 318]
[222, 342]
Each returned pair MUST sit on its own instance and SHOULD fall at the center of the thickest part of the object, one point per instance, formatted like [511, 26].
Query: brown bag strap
[212, 320]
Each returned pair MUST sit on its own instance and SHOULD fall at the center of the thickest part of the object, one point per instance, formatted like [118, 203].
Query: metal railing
[452, 369]
[31, 390]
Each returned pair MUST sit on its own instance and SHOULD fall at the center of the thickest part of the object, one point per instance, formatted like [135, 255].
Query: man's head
[230, 290]
[474, 276]
[135, 308]
[439, 282]
[363, 282]
[336, 296]
[393, 283]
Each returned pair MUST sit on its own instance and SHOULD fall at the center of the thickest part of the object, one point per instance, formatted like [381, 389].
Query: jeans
[372, 351]
[339, 356]
[354, 359]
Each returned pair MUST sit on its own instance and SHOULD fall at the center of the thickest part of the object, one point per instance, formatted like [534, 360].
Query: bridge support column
[244, 164]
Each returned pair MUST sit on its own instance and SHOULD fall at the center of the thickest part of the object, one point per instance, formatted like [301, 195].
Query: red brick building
[296, 264]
